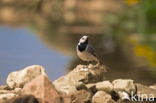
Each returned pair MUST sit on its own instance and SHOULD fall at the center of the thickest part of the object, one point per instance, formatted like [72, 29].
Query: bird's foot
[97, 65]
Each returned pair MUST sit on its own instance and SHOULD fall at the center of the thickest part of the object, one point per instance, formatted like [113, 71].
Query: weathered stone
[66, 89]
[124, 85]
[18, 79]
[102, 97]
[81, 96]
[91, 87]
[145, 92]
[17, 90]
[4, 91]
[23, 99]
[153, 86]
[104, 86]
[42, 89]
[81, 86]
[88, 74]
[8, 92]
[6, 96]
[76, 78]
[123, 96]
[64, 86]
[4, 87]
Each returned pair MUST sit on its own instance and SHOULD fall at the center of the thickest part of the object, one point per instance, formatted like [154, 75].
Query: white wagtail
[86, 52]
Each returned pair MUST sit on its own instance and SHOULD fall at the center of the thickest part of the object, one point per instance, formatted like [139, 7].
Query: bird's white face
[83, 39]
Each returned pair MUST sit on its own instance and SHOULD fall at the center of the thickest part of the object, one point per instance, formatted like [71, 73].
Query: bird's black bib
[82, 47]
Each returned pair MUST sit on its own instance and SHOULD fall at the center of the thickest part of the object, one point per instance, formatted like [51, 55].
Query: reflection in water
[115, 29]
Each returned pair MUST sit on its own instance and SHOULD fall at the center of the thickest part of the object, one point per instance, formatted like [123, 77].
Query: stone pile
[84, 84]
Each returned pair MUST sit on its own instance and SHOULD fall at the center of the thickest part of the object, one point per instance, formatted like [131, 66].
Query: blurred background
[46, 32]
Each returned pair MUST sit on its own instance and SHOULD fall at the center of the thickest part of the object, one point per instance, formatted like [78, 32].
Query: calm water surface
[20, 48]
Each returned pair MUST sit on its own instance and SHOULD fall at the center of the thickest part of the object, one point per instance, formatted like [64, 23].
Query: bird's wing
[91, 50]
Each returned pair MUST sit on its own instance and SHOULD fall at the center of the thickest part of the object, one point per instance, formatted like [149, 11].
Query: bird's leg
[98, 63]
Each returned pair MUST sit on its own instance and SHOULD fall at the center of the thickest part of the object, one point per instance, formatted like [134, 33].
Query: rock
[23, 99]
[124, 85]
[4, 91]
[64, 86]
[86, 75]
[123, 96]
[153, 86]
[145, 92]
[104, 86]
[66, 89]
[6, 96]
[78, 77]
[81, 86]
[102, 97]
[91, 87]
[4, 87]
[18, 90]
[82, 96]
[115, 96]
[43, 89]
[18, 79]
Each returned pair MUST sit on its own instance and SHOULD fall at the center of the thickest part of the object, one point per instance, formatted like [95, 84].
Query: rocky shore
[84, 84]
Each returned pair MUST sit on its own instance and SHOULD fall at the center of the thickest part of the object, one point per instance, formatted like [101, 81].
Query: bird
[86, 52]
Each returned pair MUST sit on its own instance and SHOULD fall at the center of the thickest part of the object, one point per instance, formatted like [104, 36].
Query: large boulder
[78, 77]
[18, 79]
[126, 85]
[42, 89]
[102, 97]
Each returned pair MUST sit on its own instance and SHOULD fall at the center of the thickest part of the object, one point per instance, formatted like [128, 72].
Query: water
[20, 48]
[122, 35]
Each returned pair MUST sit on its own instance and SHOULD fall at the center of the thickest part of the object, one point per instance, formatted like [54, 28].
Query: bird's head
[83, 40]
